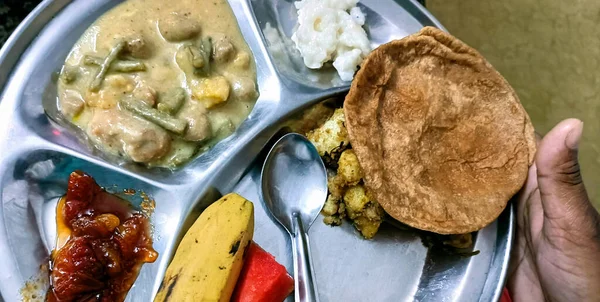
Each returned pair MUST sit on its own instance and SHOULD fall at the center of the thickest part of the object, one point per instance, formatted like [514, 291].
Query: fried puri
[441, 136]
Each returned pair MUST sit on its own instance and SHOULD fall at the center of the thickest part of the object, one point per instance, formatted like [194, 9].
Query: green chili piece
[171, 101]
[117, 65]
[150, 114]
[112, 56]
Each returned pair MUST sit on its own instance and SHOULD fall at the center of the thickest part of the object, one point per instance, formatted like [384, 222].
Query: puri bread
[442, 138]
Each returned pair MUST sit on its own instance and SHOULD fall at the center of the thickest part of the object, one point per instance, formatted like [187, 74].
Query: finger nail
[574, 136]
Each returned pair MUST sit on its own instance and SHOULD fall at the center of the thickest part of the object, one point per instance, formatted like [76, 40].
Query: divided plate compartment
[39, 152]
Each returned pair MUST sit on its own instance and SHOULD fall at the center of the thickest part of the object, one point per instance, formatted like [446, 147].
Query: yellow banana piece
[209, 258]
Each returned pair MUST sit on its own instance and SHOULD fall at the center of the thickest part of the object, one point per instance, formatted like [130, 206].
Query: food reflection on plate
[157, 82]
[101, 244]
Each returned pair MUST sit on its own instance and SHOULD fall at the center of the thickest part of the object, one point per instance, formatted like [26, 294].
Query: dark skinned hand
[557, 249]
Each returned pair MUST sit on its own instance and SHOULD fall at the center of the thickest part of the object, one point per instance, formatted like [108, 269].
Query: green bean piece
[150, 114]
[206, 51]
[117, 65]
[170, 101]
[129, 66]
[112, 56]
[69, 74]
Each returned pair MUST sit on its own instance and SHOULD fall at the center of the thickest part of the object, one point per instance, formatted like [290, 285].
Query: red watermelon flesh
[262, 278]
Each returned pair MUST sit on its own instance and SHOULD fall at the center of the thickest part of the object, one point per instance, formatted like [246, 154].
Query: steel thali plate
[38, 154]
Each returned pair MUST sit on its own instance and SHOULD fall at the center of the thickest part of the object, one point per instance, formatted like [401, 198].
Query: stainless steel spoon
[294, 188]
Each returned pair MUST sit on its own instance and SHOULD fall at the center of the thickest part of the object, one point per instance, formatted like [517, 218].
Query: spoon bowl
[294, 189]
[294, 181]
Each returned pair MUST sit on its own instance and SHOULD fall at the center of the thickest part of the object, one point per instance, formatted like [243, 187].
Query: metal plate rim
[26, 32]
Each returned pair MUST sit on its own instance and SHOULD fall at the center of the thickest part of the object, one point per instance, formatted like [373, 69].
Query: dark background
[12, 12]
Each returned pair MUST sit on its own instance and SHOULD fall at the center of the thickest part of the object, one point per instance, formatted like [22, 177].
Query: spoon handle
[306, 287]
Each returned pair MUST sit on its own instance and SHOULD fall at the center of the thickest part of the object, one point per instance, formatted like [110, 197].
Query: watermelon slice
[262, 278]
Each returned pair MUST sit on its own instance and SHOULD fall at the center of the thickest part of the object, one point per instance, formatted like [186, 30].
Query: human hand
[556, 256]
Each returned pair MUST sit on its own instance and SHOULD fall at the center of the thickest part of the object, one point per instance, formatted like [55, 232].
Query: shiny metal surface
[294, 189]
[38, 154]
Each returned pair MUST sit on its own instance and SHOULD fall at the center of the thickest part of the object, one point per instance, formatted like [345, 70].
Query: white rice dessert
[331, 30]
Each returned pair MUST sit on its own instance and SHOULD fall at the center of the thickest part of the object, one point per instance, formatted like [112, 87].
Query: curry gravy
[156, 81]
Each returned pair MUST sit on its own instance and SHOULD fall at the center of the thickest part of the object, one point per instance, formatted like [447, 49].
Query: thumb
[564, 198]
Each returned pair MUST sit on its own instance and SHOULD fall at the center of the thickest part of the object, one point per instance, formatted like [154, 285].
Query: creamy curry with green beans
[156, 82]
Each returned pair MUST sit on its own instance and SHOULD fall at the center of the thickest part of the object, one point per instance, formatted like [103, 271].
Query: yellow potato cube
[349, 168]
[368, 228]
[211, 91]
[335, 184]
[374, 211]
[331, 206]
[355, 199]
